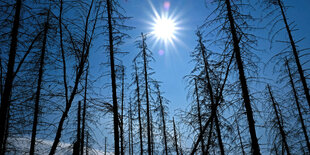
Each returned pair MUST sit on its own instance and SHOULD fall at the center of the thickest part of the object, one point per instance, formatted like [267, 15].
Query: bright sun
[164, 28]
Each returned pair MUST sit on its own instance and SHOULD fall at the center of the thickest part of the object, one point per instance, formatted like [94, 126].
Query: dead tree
[279, 121]
[139, 106]
[242, 79]
[163, 116]
[298, 105]
[113, 81]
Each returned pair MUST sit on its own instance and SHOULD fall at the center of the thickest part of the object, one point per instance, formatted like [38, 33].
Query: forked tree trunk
[297, 61]
[38, 92]
[242, 78]
[6, 96]
[298, 106]
[114, 96]
[282, 132]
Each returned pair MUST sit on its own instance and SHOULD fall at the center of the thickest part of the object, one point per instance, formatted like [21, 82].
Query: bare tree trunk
[163, 119]
[298, 106]
[139, 109]
[199, 117]
[147, 96]
[76, 146]
[87, 144]
[105, 146]
[84, 112]
[299, 67]
[122, 113]
[209, 136]
[115, 106]
[175, 138]
[242, 78]
[6, 96]
[152, 134]
[282, 132]
[130, 133]
[240, 139]
[38, 93]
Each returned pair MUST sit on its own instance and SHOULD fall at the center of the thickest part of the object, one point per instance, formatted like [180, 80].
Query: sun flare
[164, 28]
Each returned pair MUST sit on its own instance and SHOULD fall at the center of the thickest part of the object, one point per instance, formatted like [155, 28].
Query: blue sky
[171, 67]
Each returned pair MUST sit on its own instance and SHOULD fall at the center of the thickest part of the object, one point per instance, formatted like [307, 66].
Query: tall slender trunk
[122, 113]
[105, 146]
[6, 96]
[162, 111]
[87, 144]
[139, 109]
[298, 106]
[175, 138]
[152, 134]
[282, 132]
[240, 139]
[77, 144]
[199, 117]
[38, 92]
[147, 97]
[211, 94]
[209, 137]
[115, 106]
[242, 78]
[130, 149]
[297, 61]
[84, 112]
